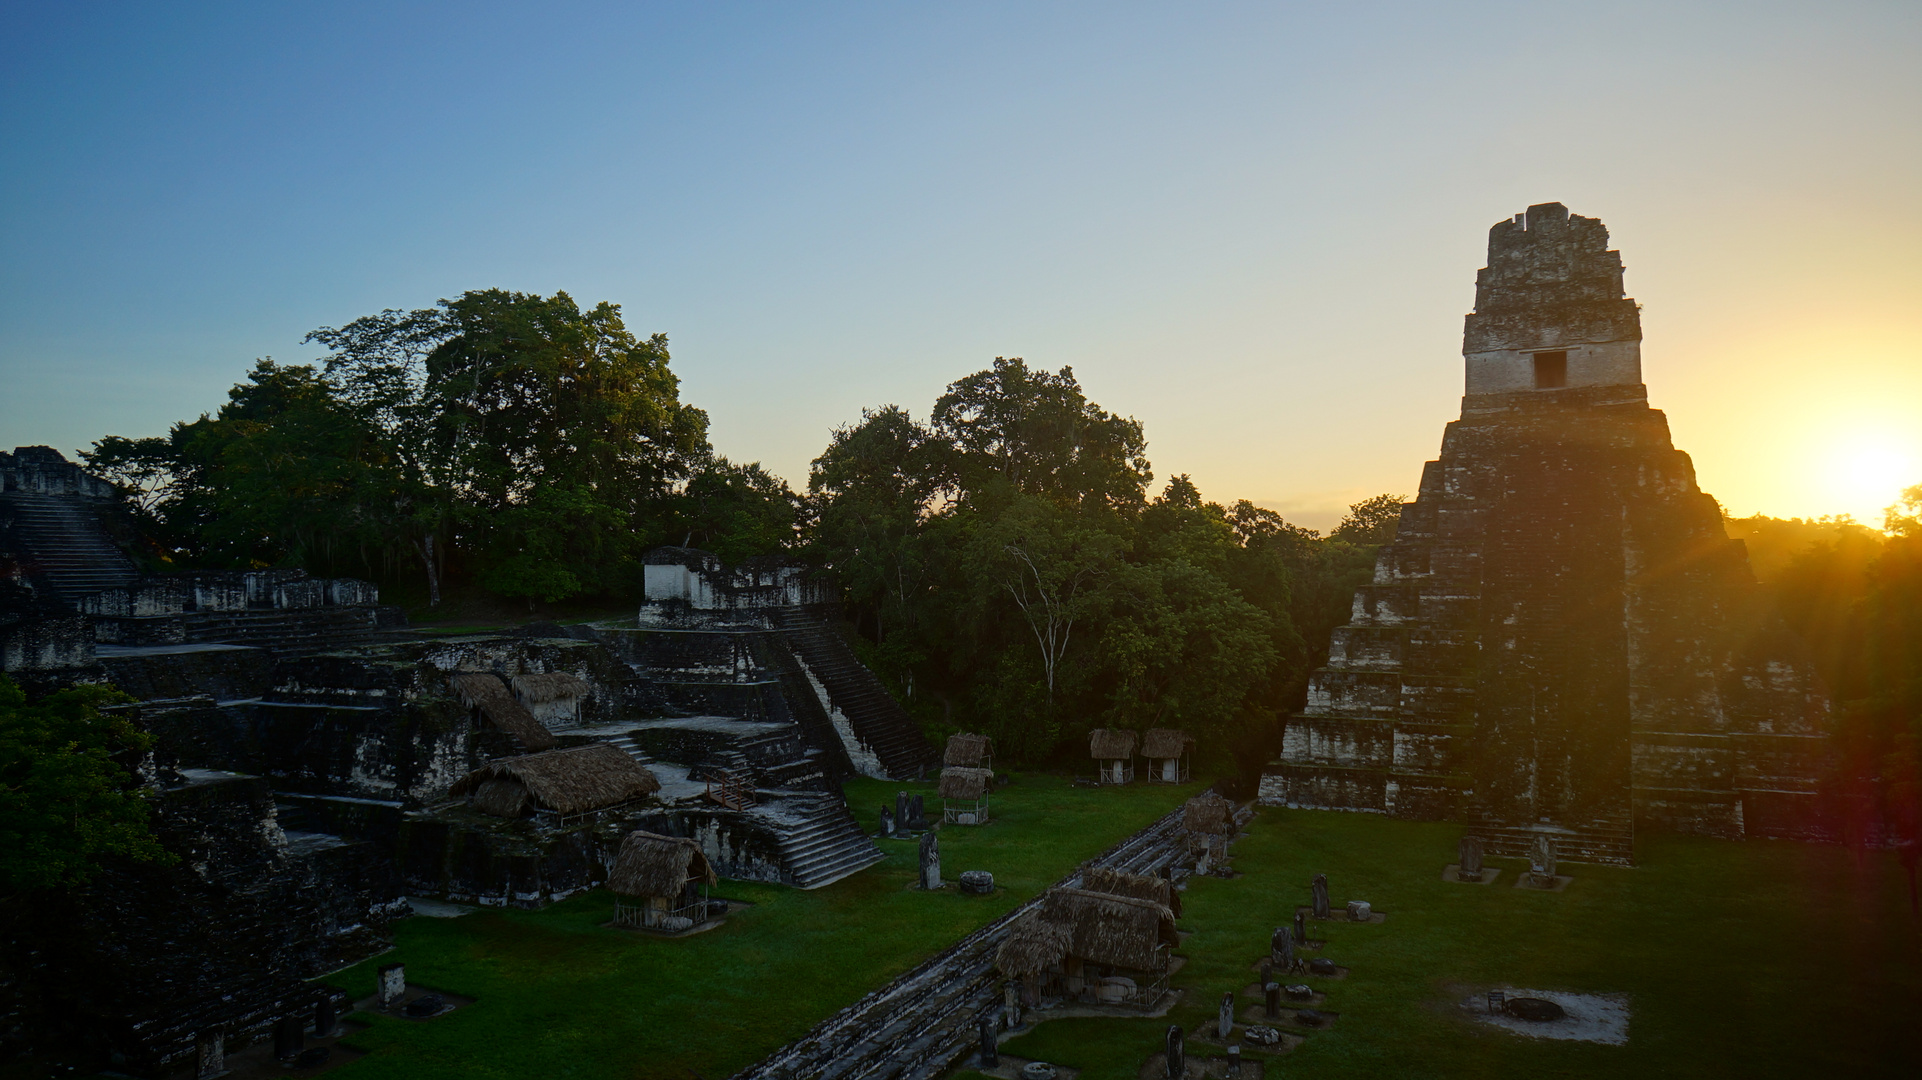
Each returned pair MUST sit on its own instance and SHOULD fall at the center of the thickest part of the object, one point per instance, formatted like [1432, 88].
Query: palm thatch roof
[571, 781]
[1164, 742]
[965, 784]
[1208, 813]
[484, 691]
[968, 750]
[537, 688]
[502, 798]
[1118, 931]
[1156, 890]
[1033, 946]
[650, 864]
[1109, 743]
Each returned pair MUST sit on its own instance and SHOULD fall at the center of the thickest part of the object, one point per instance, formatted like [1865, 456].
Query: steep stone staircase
[64, 546]
[879, 722]
[822, 842]
[819, 839]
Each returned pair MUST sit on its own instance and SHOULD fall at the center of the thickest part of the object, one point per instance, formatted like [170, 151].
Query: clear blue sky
[1254, 227]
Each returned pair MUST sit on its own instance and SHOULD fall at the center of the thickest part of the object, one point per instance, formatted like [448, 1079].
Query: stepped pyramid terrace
[341, 762]
[1561, 640]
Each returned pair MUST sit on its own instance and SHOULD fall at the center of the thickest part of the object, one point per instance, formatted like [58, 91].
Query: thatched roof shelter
[653, 865]
[1164, 742]
[576, 780]
[967, 750]
[485, 691]
[534, 688]
[965, 784]
[502, 798]
[1033, 946]
[1118, 931]
[1208, 813]
[1156, 890]
[1108, 744]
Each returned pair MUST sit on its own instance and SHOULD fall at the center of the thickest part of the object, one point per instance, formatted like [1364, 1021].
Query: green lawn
[556, 995]
[1741, 959]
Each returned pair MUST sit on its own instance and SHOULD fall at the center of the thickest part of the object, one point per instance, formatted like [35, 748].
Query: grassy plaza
[556, 994]
[1758, 958]
[1739, 959]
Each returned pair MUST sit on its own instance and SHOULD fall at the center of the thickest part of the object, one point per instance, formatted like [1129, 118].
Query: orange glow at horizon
[1867, 471]
[1812, 413]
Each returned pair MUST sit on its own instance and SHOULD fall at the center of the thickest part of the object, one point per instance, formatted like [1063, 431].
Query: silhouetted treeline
[1857, 600]
[1003, 563]
[1011, 574]
[509, 441]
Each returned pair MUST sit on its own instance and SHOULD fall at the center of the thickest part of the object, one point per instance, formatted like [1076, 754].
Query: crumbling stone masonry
[1562, 638]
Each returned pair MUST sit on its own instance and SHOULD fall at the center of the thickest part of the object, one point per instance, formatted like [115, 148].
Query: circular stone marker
[1037, 1070]
[425, 1005]
[1321, 965]
[1536, 1010]
[977, 882]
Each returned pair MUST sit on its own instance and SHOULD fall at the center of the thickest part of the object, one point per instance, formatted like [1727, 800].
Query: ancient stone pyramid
[1562, 638]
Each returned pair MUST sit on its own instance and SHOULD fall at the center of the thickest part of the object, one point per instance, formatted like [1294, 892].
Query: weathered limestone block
[1339, 741]
[1386, 605]
[1354, 693]
[1367, 648]
[1422, 749]
[1324, 787]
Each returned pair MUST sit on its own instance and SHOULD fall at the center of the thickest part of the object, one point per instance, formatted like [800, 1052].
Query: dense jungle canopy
[1006, 564]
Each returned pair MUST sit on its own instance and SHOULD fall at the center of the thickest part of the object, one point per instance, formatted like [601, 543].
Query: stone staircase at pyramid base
[854, 697]
[797, 831]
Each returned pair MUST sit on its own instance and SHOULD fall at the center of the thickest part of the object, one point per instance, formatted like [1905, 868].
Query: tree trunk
[433, 570]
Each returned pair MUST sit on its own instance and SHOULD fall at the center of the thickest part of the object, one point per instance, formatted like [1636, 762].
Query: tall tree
[550, 437]
[1036, 433]
[737, 511]
[286, 473]
[869, 495]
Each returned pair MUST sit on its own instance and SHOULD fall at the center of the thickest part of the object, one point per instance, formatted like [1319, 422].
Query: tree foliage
[1371, 521]
[286, 473]
[1011, 574]
[67, 798]
[517, 441]
[1856, 599]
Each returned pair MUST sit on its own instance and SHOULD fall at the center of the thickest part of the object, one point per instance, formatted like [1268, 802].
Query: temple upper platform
[1551, 325]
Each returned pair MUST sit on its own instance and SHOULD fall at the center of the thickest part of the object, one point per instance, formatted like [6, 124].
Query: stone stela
[930, 860]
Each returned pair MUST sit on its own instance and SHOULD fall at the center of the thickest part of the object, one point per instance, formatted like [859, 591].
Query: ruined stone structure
[145, 959]
[774, 612]
[1561, 639]
[70, 595]
[310, 755]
